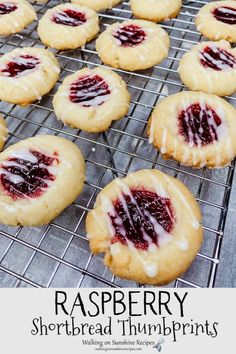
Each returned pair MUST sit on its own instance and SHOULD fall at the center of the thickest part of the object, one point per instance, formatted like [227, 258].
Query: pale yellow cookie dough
[61, 36]
[68, 170]
[161, 262]
[15, 21]
[97, 5]
[210, 27]
[155, 10]
[3, 132]
[150, 51]
[220, 81]
[28, 85]
[164, 130]
[92, 112]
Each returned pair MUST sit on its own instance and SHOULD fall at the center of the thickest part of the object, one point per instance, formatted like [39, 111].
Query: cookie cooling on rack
[148, 226]
[133, 45]
[68, 26]
[26, 74]
[154, 10]
[210, 67]
[39, 178]
[91, 99]
[15, 15]
[217, 20]
[97, 5]
[195, 129]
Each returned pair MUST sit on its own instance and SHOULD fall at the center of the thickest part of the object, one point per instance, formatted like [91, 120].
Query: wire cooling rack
[57, 255]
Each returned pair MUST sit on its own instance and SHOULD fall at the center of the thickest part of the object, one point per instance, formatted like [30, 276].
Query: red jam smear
[7, 8]
[20, 64]
[198, 124]
[89, 91]
[134, 221]
[69, 17]
[225, 14]
[217, 58]
[130, 36]
[33, 176]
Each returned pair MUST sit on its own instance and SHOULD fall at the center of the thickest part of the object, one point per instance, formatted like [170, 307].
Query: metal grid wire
[57, 255]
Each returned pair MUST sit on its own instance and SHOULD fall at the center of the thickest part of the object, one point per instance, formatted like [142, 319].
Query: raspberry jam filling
[217, 59]
[27, 174]
[130, 36]
[225, 14]
[69, 17]
[20, 64]
[7, 8]
[141, 217]
[89, 91]
[199, 125]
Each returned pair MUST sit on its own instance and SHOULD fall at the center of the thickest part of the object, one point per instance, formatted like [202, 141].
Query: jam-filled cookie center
[89, 90]
[7, 8]
[200, 125]
[130, 35]
[225, 14]
[69, 17]
[141, 218]
[217, 58]
[19, 65]
[27, 174]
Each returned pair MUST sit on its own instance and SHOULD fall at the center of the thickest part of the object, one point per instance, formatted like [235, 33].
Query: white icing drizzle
[218, 63]
[24, 154]
[219, 129]
[182, 244]
[107, 207]
[19, 60]
[176, 148]
[163, 141]
[149, 262]
[193, 219]
[227, 10]
[150, 267]
[157, 186]
[151, 130]
[97, 90]
[163, 235]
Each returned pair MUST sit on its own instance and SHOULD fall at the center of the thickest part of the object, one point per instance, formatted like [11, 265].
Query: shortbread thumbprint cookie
[148, 224]
[217, 20]
[195, 129]
[97, 5]
[26, 74]
[39, 178]
[210, 67]
[68, 26]
[3, 132]
[155, 10]
[15, 15]
[133, 45]
[91, 99]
